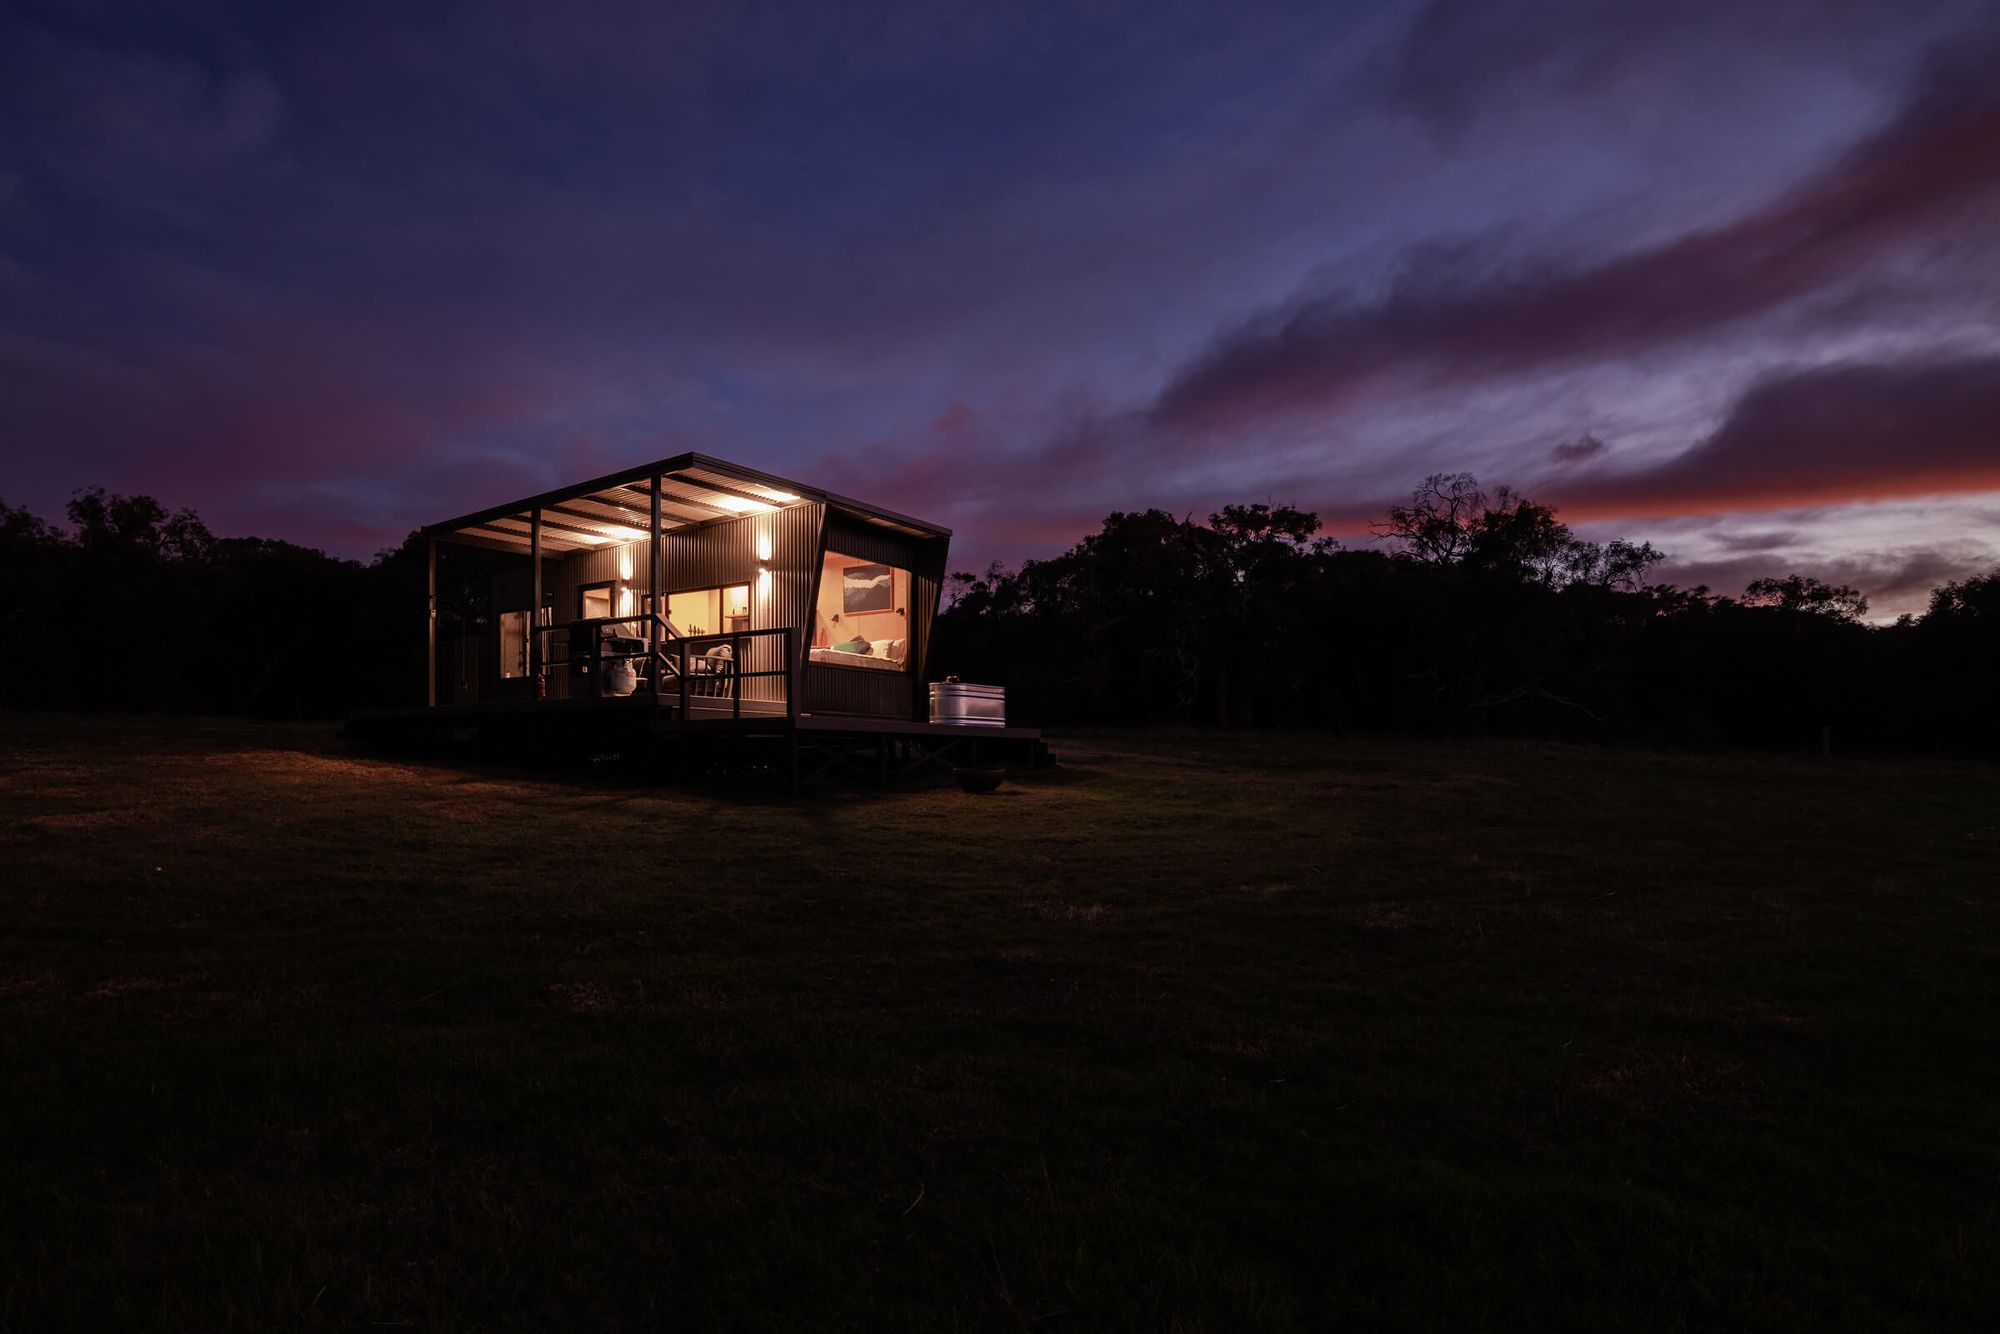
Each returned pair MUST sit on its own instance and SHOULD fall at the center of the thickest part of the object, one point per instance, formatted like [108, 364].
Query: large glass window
[710, 611]
[863, 617]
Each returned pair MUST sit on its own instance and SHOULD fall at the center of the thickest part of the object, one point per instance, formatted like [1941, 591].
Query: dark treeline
[1477, 614]
[135, 608]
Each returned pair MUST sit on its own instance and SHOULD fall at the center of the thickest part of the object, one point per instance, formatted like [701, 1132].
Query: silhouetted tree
[1486, 613]
[1953, 665]
[1798, 592]
[1437, 527]
[133, 606]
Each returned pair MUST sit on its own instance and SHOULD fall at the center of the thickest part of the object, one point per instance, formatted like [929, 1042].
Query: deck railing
[690, 670]
[705, 672]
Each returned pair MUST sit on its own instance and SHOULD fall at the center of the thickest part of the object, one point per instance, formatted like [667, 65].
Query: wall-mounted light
[763, 582]
[625, 562]
[764, 548]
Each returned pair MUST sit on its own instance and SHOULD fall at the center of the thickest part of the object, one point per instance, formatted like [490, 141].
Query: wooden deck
[802, 749]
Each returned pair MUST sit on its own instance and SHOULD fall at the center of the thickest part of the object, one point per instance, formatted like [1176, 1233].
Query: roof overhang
[692, 489]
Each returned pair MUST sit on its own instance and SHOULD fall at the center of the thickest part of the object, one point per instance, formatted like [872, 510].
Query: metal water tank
[963, 704]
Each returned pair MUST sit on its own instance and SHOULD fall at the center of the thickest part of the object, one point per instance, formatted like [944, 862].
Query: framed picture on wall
[867, 588]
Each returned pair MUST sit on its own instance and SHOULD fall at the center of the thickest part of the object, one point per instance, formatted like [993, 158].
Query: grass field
[1197, 1033]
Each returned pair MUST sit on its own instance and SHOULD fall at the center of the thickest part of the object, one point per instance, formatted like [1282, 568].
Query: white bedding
[881, 658]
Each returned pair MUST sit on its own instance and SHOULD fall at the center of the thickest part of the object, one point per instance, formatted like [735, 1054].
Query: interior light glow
[738, 505]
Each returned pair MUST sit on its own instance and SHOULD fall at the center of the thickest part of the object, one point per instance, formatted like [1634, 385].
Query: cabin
[697, 597]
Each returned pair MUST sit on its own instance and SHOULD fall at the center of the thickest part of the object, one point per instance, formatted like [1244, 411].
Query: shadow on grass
[749, 786]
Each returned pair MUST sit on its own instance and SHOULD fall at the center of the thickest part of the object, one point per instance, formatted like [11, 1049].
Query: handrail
[679, 653]
[734, 641]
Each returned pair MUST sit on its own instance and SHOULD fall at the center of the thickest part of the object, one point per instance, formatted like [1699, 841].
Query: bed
[883, 655]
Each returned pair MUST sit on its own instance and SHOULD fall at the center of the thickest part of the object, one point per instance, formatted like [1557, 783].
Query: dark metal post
[430, 623]
[653, 584]
[535, 654]
[794, 675]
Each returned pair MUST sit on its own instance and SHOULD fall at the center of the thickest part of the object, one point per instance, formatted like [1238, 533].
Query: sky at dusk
[1719, 274]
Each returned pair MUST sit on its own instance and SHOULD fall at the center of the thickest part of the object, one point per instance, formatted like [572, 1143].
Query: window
[863, 615]
[710, 611]
[513, 644]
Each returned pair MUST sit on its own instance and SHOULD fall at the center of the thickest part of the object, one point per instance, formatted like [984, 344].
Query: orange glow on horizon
[1708, 502]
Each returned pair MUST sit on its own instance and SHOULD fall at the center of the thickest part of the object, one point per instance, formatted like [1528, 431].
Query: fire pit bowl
[979, 778]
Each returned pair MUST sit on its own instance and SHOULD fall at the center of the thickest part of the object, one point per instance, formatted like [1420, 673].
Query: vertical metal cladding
[926, 585]
[595, 566]
[777, 555]
[856, 690]
[801, 534]
[867, 542]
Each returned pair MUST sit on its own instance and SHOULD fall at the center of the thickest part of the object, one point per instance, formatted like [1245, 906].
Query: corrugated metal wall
[732, 551]
[865, 542]
[862, 690]
[596, 566]
[926, 584]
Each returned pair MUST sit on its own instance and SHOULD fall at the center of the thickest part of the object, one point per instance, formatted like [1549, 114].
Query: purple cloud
[1933, 169]
[1828, 435]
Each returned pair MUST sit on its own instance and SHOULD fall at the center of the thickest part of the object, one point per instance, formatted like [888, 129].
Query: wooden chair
[712, 672]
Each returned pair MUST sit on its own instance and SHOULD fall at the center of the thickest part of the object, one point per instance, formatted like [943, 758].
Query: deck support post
[535, 654]
[654, 582]
[430, 623]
